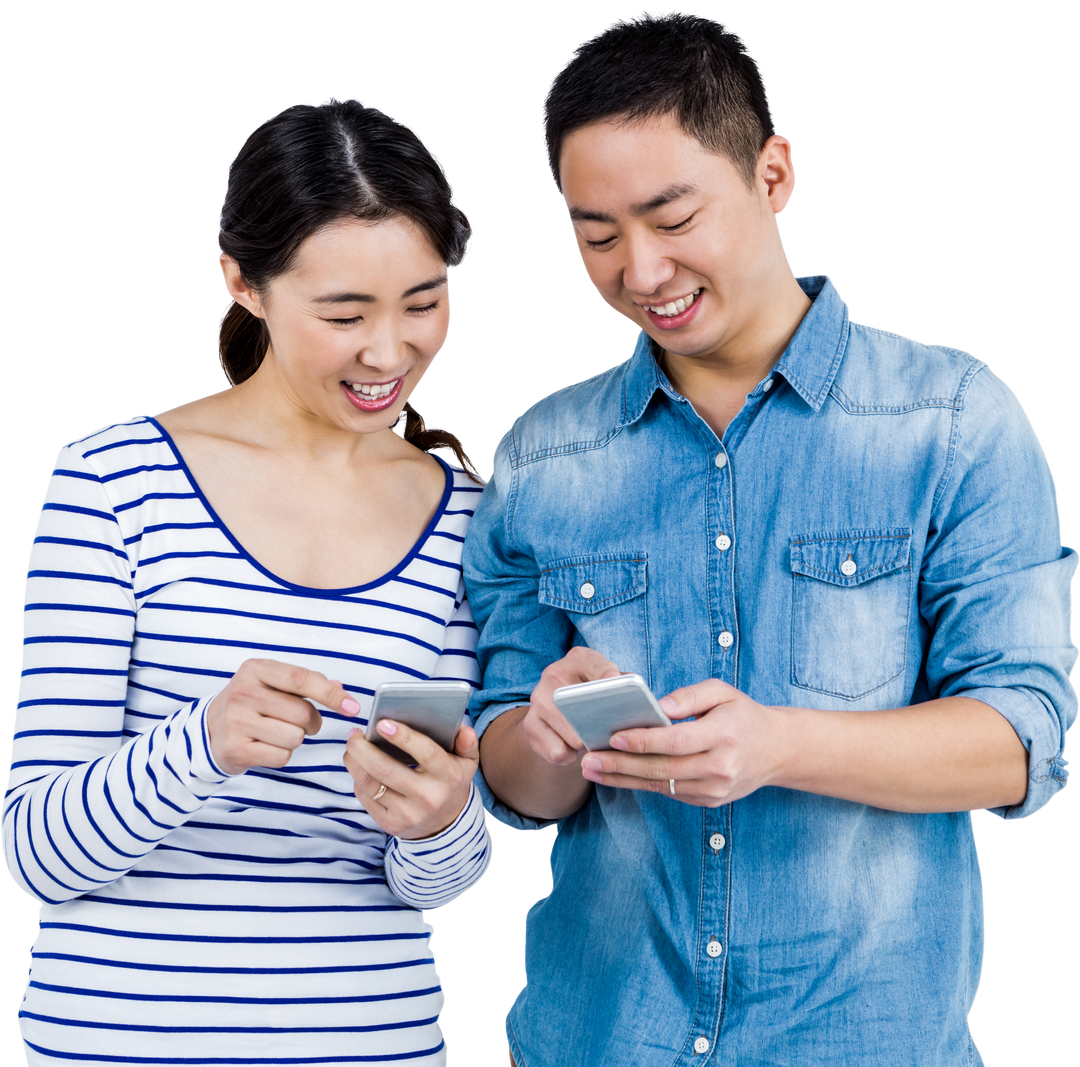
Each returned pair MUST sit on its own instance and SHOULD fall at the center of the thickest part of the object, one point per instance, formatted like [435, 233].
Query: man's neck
[717, 385]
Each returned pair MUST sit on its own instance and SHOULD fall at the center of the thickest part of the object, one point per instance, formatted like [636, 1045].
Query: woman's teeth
[375, 392]
[673, 307]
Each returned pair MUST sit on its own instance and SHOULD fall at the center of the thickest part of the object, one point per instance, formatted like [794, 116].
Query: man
[835, 550]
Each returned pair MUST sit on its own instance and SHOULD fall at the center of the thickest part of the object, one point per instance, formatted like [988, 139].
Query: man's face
[671, 234]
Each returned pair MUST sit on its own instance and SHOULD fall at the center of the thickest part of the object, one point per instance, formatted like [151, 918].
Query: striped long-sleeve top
[189, 916]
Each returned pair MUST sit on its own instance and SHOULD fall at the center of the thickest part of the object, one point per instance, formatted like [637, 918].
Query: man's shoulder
[584, 415]
[884, 372]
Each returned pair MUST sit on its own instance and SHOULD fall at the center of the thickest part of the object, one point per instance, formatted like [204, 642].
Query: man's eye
[678, 225]
[598, 244]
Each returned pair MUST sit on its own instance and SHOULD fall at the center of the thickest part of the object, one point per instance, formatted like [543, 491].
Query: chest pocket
[604, 597]
[850, 606]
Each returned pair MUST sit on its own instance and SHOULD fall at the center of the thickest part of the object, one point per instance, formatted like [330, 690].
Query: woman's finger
[301, 682]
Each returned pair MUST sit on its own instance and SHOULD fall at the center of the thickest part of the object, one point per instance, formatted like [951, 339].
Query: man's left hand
[733, 746]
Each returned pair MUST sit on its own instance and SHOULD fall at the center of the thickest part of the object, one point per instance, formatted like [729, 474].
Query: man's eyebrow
[671, 193]
[367, 298]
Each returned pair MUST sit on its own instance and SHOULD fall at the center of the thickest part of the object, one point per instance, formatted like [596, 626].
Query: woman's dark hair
[301, 171]
[678, 65]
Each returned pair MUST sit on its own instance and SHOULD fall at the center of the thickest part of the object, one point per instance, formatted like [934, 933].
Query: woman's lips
[673, 322]
[368, 403]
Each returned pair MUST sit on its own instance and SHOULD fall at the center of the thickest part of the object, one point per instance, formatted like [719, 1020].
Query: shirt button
[714, 948]
[848, 567]
[723, 542]
[588, 590]
[767, 386]
[701, 1046]
[717, 842]
[721, 460]
[725, 640]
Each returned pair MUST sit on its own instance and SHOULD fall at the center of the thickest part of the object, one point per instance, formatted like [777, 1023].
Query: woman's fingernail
[349, 706]
[590, 763]
[619, 743]
[386, 727]
[354, 730]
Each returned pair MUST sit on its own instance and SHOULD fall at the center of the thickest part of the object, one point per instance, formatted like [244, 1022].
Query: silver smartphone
[596, 710]
[435, 708]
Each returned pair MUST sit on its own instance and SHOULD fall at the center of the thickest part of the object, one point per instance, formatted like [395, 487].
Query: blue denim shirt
[784, 928]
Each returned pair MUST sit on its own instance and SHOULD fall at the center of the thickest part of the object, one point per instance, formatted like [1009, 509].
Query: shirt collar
[809, 363]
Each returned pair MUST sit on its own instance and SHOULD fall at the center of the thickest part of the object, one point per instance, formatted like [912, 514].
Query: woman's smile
[372, 396]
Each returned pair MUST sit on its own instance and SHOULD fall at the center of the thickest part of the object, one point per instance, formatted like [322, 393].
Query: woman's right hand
[262, 716]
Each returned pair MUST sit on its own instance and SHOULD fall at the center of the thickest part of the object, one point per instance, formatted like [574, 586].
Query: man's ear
[239, 290]
[775, 171]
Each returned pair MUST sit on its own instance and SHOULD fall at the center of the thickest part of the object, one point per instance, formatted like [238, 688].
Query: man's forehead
[632, 168]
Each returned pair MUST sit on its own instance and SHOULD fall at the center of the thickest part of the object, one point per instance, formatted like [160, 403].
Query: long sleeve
[994, 587]
[85, 802]
[432, 872]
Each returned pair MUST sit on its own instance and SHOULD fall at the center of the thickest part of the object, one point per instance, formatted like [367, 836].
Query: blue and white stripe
[190, 917]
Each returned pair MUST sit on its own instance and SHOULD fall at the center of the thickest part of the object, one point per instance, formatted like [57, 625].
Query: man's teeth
[375, 392]
[673, 307]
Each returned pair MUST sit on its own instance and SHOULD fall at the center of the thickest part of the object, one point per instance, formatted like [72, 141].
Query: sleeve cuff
[1039, 729]
[491, 801]
[190, 750]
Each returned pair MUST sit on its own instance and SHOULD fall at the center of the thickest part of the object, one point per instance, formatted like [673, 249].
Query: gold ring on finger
[382, 789]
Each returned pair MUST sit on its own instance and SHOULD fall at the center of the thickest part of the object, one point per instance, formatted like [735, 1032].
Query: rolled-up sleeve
[519, 636]
[994, 590]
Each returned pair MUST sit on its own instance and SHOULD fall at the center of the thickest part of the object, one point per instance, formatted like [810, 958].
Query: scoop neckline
[310, 590]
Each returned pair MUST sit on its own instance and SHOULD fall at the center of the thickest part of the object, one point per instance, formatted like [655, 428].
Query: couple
[834, 550]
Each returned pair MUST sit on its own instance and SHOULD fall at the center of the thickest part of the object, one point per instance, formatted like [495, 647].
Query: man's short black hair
[678, 65]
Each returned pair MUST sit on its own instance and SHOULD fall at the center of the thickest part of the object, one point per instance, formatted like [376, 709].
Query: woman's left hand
[419, 801]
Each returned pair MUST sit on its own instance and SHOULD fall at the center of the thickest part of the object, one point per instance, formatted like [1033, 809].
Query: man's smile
[673, 307]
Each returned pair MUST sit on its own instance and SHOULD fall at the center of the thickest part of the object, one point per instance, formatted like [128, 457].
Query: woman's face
[355, 321]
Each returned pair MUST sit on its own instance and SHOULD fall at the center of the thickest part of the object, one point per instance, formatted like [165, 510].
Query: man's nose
[646, 269]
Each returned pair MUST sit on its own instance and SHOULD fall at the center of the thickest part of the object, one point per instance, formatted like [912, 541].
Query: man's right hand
[549, 735]
[530, 755]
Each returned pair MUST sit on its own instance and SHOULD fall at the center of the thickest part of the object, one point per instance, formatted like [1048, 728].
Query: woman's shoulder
[121, 445]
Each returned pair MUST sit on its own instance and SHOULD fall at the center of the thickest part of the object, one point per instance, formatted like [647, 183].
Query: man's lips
[680, 318]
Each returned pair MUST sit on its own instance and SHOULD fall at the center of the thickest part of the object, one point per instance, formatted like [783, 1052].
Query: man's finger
[695, 699]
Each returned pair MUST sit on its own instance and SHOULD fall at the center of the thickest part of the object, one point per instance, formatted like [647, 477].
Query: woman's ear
[239, 290]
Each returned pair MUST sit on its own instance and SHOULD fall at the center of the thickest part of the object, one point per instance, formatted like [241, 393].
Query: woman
[227, 875]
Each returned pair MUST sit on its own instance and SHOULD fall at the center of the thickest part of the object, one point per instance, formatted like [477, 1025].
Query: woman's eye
[347, 322]
[424, 309]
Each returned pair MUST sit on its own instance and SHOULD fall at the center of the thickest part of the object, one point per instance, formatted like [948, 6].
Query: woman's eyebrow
[367, 298]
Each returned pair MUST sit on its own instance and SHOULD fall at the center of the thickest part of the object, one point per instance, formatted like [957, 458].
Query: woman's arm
[432, 870]
[88, 800]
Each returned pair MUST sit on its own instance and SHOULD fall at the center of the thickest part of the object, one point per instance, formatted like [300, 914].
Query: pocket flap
[587, 584]
[851, 557]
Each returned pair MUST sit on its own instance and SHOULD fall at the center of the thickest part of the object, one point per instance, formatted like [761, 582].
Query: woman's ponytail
[242, 341]
[416, 433]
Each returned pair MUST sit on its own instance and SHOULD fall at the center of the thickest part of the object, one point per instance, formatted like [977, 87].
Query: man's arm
[531, 756]
[953, 754]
